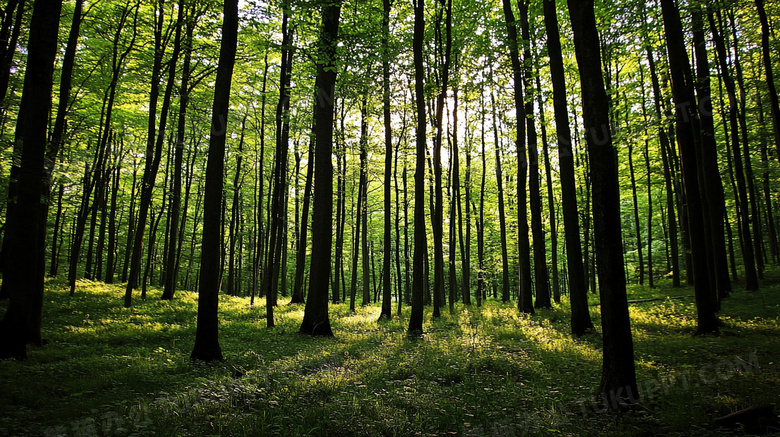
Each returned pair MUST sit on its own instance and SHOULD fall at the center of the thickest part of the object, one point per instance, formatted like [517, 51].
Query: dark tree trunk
[363, 203]
[420, 237]
[12, 25]
[58, 133]
[525, 302]
[769, 208]
[270, 282]
[541, 277]
[387, 294]
[207, 332]
[24, 276]
[753, 238]
[315, 317]
[302, 243]
[154, 143]
[525, 298]
[338, 270]
[713, 186]
[682, 87]
[437, 212]
[748, 255]
[174, 244]
[669, 183]
[766, 51]
[618, 372]
[235, 212]
[556, 282]
[577, 285]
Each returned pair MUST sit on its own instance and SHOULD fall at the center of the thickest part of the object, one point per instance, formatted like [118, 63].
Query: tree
[682, 89]
[766, 51]
[420, 237]
[24, 276]
[207, 332]
[172, 267]
[155, 138]
[315, 317]
[617, 371]
[525, 299]
[387, 117]
[578, 288]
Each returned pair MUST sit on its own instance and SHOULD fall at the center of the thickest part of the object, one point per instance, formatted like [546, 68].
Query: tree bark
[207, 332]
[682, 88]
[420, 237]
[315, 317]
[577, 285]
[24, 277]
[617, 372]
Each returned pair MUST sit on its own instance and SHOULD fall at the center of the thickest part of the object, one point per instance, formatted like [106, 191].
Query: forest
[343, 217]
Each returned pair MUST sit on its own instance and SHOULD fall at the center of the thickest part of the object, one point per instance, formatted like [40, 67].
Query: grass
[108, 370]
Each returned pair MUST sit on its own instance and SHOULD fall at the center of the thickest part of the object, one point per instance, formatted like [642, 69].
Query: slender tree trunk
[207, 332]
[577, 285]
[467, 252]
[12, 26]
[153, 147]
[648, 175]
[667, 168]
[541, 277]
[235, 211]
[769, 207]
[748, 255]
[271, 272]
[420, 237]
[387, 295]
[682, 87]
[524, 302]
[766, 51]
[315, 316]
[525, 299]
[363, 202]
[481, 282]
[300, 257]
[338, 270]
[174, 244]
[618, 372]
[755, 217]
[712, 184]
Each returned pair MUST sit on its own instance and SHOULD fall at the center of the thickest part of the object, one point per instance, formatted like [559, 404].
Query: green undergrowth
[108, 370]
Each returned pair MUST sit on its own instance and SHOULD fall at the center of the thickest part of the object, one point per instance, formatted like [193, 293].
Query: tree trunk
[315, 317]
[525, 299]
[748, 255]
[387, 295]
[302, 243]
[24, 277]
[577, 285]
[682, 87]
[363, 202]
[667, 166]
[153, 147]
[420, 237]
[207, 332]
[766, 51]
[271, 272]
[524, 302]
[541, 277]
[174, 244]
[618, 372]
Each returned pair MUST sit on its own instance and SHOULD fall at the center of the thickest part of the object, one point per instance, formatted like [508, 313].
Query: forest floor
[487, 371]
